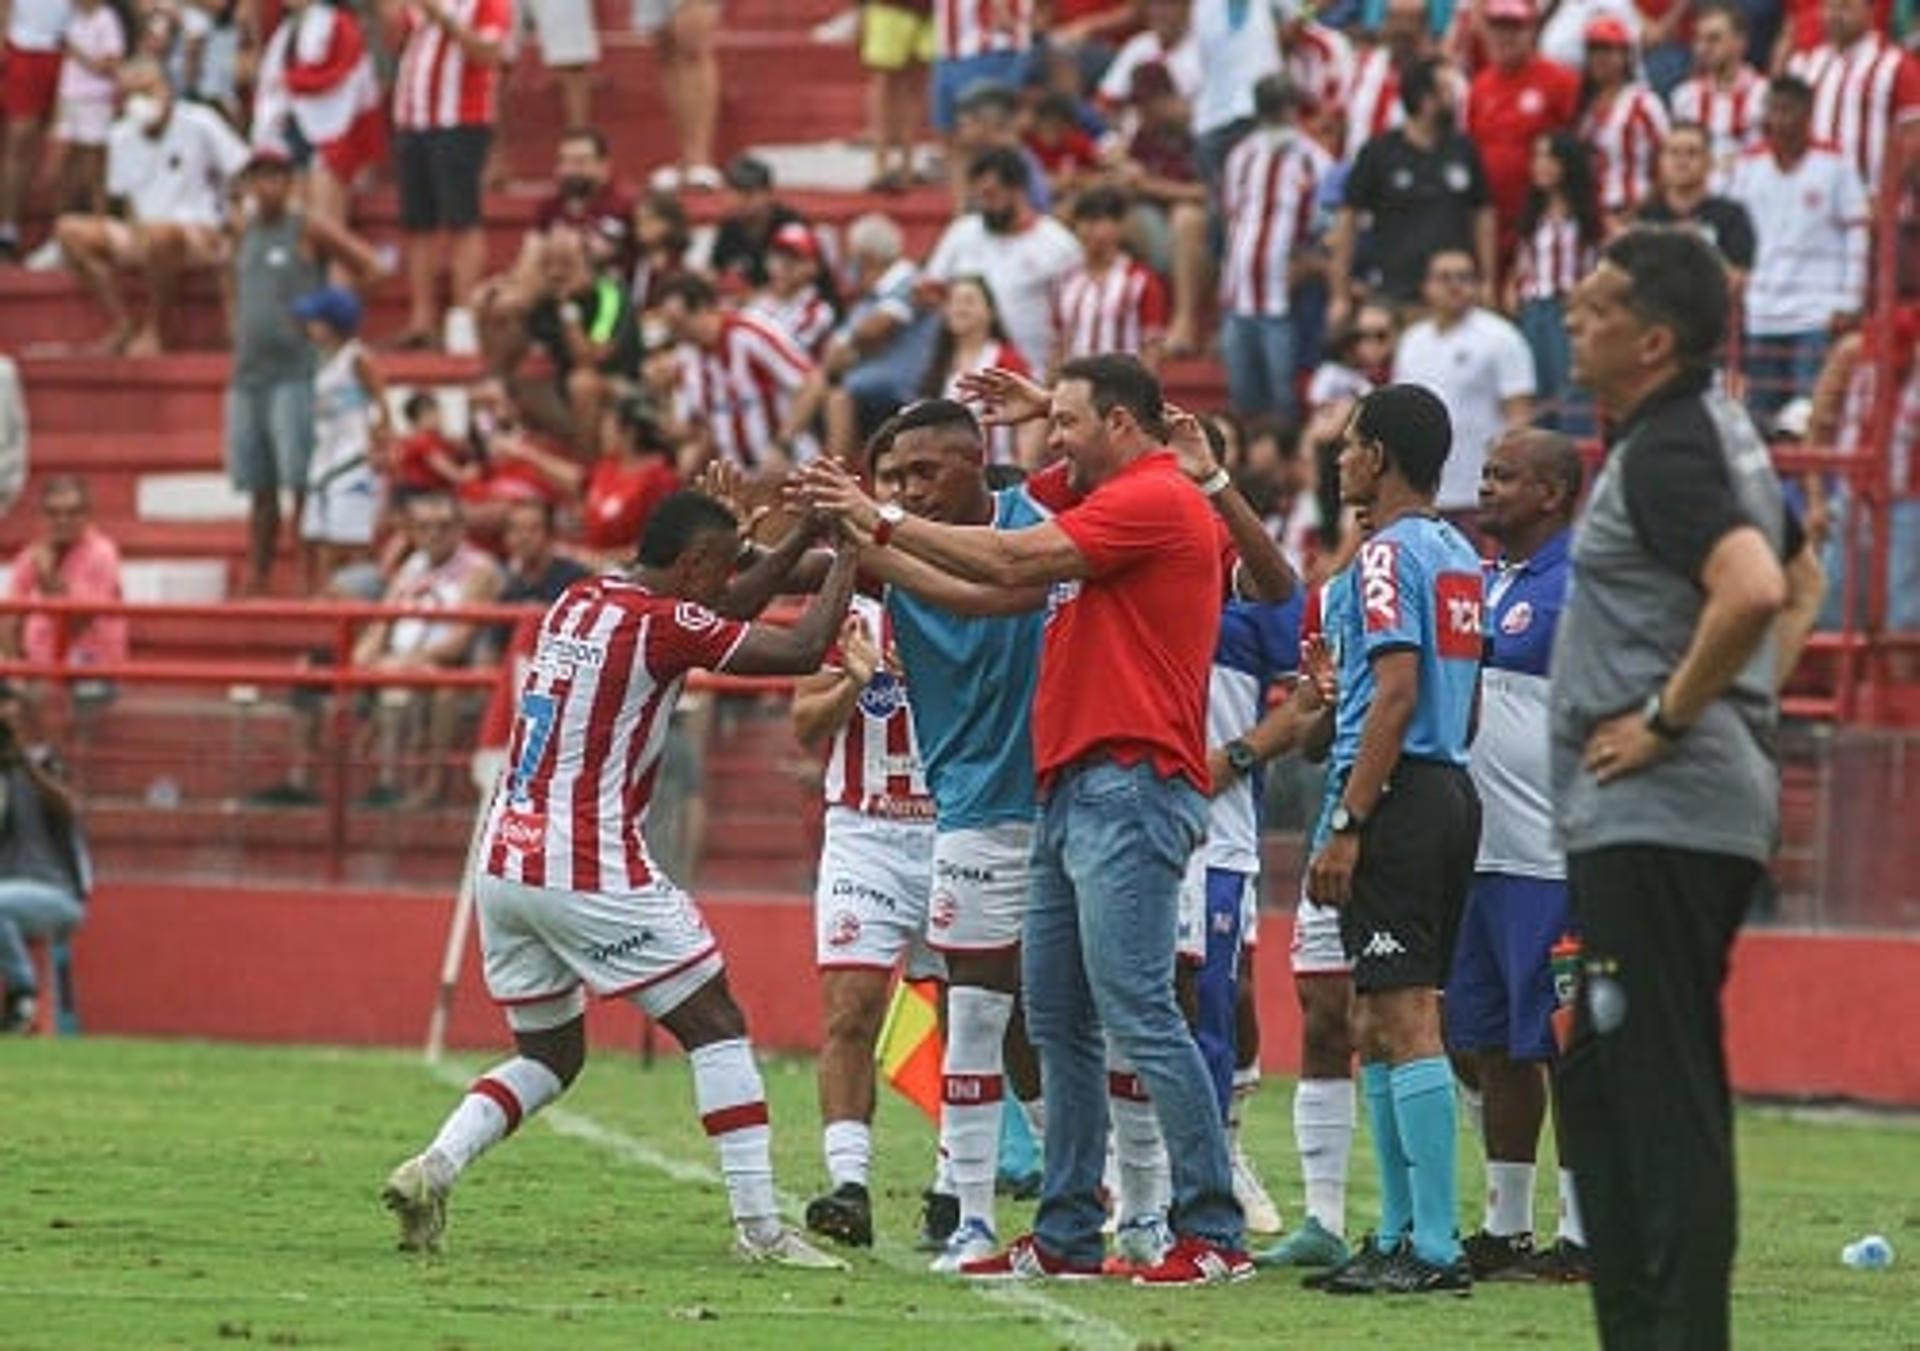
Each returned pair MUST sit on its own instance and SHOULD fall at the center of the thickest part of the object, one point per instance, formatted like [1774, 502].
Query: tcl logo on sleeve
[1457, 608]
[1380, 585]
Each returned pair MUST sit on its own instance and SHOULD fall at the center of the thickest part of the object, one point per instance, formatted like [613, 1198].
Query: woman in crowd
[971, 338]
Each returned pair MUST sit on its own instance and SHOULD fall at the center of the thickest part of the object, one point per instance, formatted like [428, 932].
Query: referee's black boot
[1360, 1274]
[1408, 1273]
[939, 1217]
[844, 1215]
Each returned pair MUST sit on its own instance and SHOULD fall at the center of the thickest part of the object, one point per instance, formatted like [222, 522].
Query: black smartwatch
[1656, 719]
[1240, 757]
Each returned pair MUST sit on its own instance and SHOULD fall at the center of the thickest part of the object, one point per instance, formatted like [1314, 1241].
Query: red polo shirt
[1506, 112]
[1129, 650]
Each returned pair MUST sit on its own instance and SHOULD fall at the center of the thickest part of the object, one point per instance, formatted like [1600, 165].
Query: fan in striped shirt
[1560, 234]
[1112, 302]
[792, 300]
[1622, 121]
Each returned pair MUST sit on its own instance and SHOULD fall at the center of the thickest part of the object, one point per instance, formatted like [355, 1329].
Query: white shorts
[1190, 940]
[83, 121]
[870, 906]
[344, 511]
[1317, 950]
[566, 32]
[979, 888]
[650, 16]
[541, 944]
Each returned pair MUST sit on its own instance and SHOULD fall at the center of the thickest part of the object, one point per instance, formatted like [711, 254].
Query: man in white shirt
[1809, 212]
[1477, 363]
[1239, 45]
[1020, 253]
[171, 162]
[1166, 40]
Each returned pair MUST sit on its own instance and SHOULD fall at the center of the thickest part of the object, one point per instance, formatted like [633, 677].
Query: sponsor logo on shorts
[884, 696]
[1380, 943]
[630, 945]
[852, 889]
[843, 930]
[948, 871]
[1379, 585]
[942, 909]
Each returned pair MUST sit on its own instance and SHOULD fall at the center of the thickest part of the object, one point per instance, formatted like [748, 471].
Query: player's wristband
[1216, 483]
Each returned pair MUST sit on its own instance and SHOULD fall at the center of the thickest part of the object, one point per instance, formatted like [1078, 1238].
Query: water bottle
[1872, 1253]
[1565, 962]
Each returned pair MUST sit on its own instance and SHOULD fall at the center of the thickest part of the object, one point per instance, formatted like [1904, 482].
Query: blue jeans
[1781, 367]
[1097, 961]
[1258, 353]
[31, 910]
[1562, 407]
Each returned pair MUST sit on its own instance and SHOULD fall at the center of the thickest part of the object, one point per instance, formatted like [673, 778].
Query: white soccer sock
[1323, 1133]
[1246, 1082]
[1509, 1198]
[1572, 1228]
[1473, 1106]
[732, 1103]
[942, 1172]
[973, 1089]
[494, 1107]
[1146, 1181]
[849, 1148]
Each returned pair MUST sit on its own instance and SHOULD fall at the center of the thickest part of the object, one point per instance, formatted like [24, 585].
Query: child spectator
[792, 300]
[349, 421]
[1057, 140]
[1560, 235]
[971, 339]
[426, 459]
[95, 44]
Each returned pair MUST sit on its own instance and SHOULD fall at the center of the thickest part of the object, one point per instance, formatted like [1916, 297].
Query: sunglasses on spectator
[1374, 334]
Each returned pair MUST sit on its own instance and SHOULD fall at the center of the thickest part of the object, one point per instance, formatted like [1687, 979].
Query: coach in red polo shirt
[1119, 730]
[1517, 96]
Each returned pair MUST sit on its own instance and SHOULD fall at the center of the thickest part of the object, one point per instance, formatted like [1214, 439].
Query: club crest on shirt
[1518, 619]
[1379, 586]
[1060, 595]
[695, 618]
[884, 696]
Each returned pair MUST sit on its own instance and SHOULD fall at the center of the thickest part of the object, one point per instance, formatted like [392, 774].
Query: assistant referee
[1663, 718]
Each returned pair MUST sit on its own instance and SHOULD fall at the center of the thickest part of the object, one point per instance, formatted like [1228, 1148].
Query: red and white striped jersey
[1373, 101]
[436, 85]
[964, 28]
[874, 765]
[1269, 192]
[1319, 60]
[589, 726]
[1731, 116]
[1120, 309]
[1549, 263]
[742, 387]
[1859, 97]
[1623, 132]
[1002, 442]
[806, 318]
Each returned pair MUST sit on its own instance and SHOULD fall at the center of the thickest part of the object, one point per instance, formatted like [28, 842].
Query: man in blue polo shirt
[1398, 849]
[1500, 996]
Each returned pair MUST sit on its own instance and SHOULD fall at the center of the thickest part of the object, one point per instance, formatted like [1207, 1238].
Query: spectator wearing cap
[1413, 190]
[1810, 261]
[1269, 193]
[739, 254]
[445, 102]
[1112, 302]
[793, 299]
[173, 163]
[1515, 99]
[1681, 196]
[685, 34]
[1021, 254]
[350, 431]
[975, 44]
[1563, 32]
[1161, 169]
[987, 117]
[876, 356]
[1622, 121]
[896, 46]
[281, 254]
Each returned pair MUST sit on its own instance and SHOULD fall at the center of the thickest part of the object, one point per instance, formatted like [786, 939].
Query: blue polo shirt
[1258, 644]
[1510, 752]
[973, 682]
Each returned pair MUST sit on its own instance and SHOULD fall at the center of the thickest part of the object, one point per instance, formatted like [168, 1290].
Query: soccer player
[1500, 995]
[876, 875]
[568, 894]
[1398, 851]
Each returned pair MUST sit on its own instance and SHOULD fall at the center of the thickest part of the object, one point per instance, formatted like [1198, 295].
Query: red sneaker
[1025, 1260]
[1194, 1261]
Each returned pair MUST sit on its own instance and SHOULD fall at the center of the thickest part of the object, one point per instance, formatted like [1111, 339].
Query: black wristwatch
[1241, 757]
[1656, 719]
[1345, 821]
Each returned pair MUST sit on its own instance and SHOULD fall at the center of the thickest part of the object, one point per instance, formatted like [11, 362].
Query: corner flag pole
[454, 957]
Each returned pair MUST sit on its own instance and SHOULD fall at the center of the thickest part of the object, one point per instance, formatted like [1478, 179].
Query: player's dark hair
[1122, 382]
[1676, 281]
[1101, 203]
[1732, 13]
[695, 292]
[1418, 84]
[1791, 87]
[1691, 129]
[593, 136]
[1274, 97]
[999, 476]
[927, 414]
[1581, 193]
[419, 404]
[1002, 162]
[538, 504]
[1411, 424]
[880, 443]
[677, 522]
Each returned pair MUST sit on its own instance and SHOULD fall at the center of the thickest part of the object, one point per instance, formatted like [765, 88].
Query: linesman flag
[911, 1048]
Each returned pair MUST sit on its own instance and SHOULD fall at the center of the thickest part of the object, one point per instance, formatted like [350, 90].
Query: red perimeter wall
[1807, 1014]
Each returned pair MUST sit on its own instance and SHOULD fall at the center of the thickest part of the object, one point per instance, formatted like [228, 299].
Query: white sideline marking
[1063, 1320]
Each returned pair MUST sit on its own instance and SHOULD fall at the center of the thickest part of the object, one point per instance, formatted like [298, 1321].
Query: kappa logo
[1380, 585]
[1380, 943]
[626, 947]
[852, 889]
[1517, 620]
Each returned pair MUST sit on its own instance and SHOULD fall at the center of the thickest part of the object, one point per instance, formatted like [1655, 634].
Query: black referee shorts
[1416, 864]
[440, 173]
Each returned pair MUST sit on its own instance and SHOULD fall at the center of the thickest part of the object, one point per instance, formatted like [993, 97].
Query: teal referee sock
[1396, 1196]
[1423, 1105]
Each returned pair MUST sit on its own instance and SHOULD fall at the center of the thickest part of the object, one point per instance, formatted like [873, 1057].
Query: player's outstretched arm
[1264, 573]
[772, 572]
[949, 592]
[770, 650]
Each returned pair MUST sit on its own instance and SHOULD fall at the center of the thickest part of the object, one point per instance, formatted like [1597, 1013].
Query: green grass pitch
[178, 1194]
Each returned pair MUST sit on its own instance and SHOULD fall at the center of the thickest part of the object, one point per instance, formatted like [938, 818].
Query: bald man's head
[1530, 486]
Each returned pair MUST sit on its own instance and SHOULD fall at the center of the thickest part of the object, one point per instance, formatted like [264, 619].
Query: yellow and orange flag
[911, 1048]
